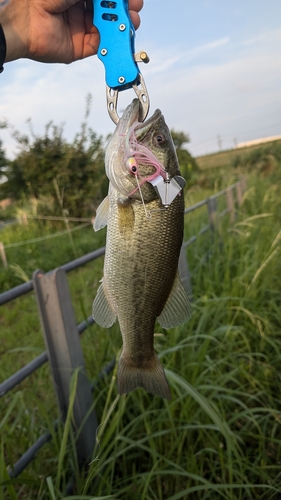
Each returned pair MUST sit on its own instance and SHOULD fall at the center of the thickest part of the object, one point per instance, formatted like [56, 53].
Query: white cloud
[230, 97]
[223, 86]
[254, 40]
[165, 59]
[54, 93]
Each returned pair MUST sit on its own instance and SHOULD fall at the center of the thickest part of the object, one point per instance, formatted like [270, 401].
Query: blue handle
[117, 42]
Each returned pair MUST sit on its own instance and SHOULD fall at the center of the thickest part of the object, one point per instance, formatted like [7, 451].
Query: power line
[230, 137]
[47, 237]
[52, 217]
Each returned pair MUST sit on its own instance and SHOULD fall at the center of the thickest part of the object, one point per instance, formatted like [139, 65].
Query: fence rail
[54, 338]
[19, 290]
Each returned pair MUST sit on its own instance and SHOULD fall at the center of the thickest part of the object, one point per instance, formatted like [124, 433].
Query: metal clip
[142, 94]
[167, 190]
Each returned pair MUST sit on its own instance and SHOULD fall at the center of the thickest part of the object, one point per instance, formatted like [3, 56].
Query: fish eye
[159, 138]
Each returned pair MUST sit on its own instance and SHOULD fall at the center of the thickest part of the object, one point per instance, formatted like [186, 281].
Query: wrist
[3, 48]
[13, 32]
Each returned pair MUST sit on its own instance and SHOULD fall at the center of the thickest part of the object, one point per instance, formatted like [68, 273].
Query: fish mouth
[131, 114]
[141, 129]
[153, 119]
[129, 118]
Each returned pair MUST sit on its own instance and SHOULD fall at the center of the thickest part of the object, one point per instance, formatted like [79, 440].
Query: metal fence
[61, 333]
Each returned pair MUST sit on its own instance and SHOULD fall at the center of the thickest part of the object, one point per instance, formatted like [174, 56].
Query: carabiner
[142, 94]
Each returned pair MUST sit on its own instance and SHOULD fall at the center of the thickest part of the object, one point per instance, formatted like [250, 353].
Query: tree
[187, 163]
[71, 175]
[67, 176]
[179, 138]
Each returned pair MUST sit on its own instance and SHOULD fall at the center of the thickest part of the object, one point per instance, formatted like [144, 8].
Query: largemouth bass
[141, 282]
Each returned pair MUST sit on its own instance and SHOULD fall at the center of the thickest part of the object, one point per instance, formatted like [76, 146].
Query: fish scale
[147, 262]
[143, 243]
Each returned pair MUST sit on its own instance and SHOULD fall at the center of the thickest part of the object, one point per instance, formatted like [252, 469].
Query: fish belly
[141, 261]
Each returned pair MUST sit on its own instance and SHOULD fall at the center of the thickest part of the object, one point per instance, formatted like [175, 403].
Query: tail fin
[151, 378]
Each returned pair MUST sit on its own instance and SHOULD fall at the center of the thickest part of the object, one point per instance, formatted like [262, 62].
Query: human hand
[53, 31]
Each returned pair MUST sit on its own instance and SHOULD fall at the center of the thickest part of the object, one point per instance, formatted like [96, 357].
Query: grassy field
[219, 437]
[227, 158]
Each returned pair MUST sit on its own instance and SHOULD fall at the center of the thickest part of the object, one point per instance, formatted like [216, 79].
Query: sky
[214, 71]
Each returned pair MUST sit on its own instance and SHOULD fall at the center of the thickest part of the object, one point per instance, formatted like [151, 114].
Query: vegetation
[60, 176]
[219, 437]
[64, 177]
[54, 245]
[263, 159]
[188, 164]
[237, 157]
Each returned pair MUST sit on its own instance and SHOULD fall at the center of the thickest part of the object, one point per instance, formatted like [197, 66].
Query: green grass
[226, 158]
[24, 257]
[219, 437]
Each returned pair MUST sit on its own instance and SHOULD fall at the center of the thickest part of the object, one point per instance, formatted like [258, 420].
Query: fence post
[184, 272]
[3, 255]
[212, 211]
[230, 204]
[65, 355]
[24, 219]
[239, 193]
[244, 184]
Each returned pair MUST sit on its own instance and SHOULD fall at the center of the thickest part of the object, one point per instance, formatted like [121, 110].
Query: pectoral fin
[102, 311]
[102, 214]
[177, 309]
[126, 217]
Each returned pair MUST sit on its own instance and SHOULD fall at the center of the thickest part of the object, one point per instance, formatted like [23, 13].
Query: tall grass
[219, 437]
[46, 254]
